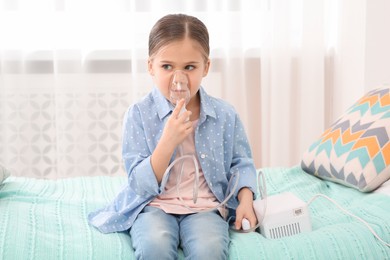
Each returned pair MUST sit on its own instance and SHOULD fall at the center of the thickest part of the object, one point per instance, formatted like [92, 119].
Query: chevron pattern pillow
[355, 150]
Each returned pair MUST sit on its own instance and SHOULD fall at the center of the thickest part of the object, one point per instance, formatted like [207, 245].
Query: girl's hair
[174, 27]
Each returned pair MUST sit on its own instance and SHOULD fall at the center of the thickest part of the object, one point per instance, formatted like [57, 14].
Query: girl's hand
[178, 127]
[245, 208]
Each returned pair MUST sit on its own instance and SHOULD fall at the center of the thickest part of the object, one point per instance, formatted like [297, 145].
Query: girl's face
[182, 55]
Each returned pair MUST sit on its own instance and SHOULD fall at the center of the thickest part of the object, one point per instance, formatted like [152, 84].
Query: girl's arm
[177, 128]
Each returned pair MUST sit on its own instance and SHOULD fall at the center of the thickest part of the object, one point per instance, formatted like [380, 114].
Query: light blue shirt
[220, 143]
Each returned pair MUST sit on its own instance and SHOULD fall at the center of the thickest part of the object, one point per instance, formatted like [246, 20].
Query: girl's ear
[206, 69]
[150, 67]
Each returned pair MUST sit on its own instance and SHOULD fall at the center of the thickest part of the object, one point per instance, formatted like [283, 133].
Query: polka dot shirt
[220, 143]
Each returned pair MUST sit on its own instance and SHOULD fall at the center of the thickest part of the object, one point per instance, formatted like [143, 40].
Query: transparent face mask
[179, 87]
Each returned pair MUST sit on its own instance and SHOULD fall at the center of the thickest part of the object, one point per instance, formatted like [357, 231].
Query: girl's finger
[178, 108]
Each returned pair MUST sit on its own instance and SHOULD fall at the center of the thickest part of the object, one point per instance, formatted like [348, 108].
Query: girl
[160, 217]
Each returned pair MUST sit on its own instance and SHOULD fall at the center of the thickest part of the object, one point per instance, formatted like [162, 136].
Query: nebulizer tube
[179, 89]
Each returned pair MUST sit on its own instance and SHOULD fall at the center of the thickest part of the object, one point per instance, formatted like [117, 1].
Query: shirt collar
[163, 106]
[206, 106]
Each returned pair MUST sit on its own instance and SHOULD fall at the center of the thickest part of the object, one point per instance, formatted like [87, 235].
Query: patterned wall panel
[55, 133]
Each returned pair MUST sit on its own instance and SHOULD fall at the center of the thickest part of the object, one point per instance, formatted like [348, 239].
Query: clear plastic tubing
[180, 89]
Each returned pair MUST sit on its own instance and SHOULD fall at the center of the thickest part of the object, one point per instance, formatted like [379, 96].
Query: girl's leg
[204, 236]
[155, 235]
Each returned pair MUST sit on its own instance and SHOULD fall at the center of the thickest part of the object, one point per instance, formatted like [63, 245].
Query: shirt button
[202, 156]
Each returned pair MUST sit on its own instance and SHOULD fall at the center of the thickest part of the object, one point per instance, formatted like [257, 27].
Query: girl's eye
[166, 67]
[190, 67]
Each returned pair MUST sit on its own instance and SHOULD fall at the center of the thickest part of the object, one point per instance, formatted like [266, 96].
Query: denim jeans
[157, 235]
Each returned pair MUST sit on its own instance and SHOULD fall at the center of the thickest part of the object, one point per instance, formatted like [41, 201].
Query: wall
[362, 55]
[349, 57]
[377, 50]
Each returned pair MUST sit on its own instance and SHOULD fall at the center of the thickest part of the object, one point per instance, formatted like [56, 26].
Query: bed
[349, 163]
[47, 219]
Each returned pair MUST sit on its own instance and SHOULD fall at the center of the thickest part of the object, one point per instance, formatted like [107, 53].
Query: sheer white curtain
[69, 69]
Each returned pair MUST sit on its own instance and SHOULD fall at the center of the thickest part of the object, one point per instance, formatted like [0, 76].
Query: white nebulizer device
[282, 215]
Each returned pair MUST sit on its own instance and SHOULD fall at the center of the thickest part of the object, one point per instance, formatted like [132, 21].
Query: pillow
[355, 150]
[384, 188]
[4, 173]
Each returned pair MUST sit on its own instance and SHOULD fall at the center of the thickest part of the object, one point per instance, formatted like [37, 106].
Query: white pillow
[4, 173]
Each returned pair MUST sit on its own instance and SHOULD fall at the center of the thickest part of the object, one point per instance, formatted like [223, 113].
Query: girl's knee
[158, 245]
[215, 247]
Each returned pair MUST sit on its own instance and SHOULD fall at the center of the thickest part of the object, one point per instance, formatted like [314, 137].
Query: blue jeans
[157, 235]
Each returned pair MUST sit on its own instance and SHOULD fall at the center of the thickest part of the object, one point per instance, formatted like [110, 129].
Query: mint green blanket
[47, 219]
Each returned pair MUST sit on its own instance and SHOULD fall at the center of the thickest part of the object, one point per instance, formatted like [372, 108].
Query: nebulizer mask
[179, 89]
